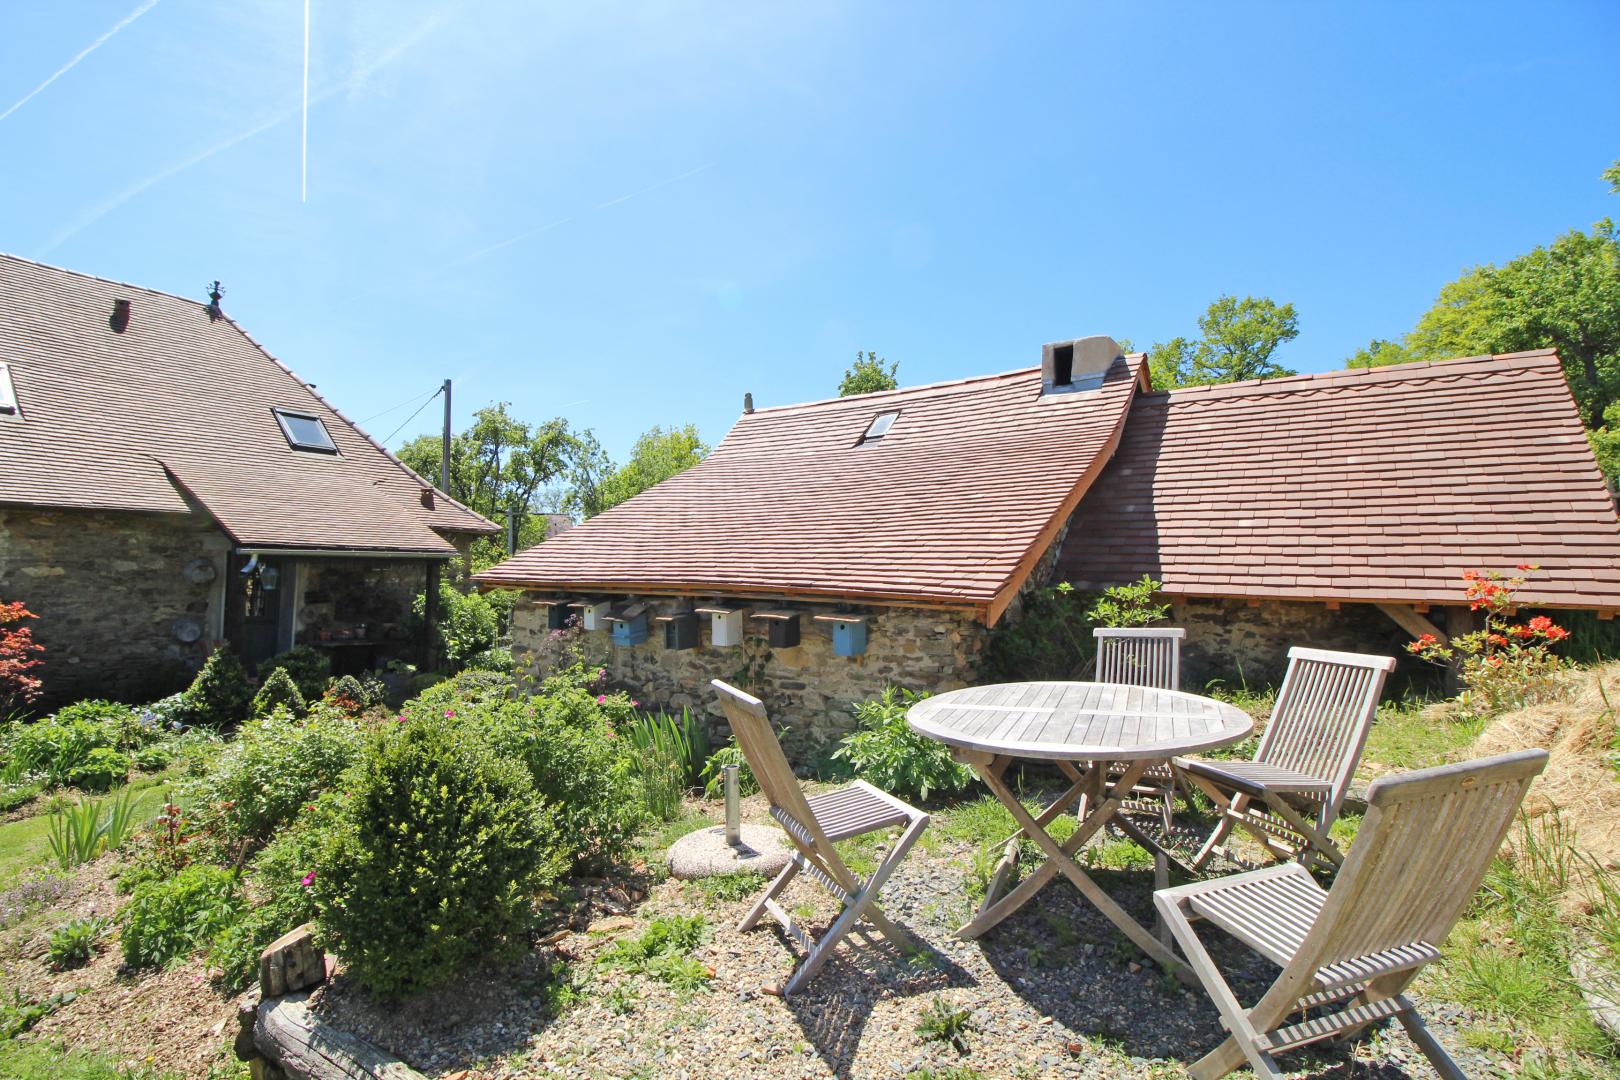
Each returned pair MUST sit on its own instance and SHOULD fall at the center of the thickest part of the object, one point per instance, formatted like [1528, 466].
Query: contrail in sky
[354, 78]
[509, 241]
[303, 171]
[148, 5]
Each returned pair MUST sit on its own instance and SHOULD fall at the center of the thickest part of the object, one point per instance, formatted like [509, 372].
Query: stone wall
[1232, 640]
[807, 689]
[109, 589]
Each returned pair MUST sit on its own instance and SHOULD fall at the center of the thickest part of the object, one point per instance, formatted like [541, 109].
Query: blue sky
[631, 214]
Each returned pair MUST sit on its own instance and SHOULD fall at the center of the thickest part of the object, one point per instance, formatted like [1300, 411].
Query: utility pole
[444, 452]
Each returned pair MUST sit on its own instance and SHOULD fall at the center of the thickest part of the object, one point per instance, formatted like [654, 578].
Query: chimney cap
[118, 321]
[1078, 364]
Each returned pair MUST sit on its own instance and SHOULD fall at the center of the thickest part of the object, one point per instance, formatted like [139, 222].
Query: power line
[392, 408]
[413, 416]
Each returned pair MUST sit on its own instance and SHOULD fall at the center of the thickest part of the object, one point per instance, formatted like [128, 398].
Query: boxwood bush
[436, 857]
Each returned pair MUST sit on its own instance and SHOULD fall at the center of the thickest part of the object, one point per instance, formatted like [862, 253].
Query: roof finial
[215, 292]
[748, 403]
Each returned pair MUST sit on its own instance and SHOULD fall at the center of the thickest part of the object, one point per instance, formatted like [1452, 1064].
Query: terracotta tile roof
[953, 505]
[106, 419]
[1380, 484]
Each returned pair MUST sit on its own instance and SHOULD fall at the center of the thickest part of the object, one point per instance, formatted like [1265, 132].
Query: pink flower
[449, 714]
[601, 699]
[309, 879]
[634, 702]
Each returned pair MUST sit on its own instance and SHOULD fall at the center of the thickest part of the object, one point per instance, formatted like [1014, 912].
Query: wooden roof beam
[1408, 619]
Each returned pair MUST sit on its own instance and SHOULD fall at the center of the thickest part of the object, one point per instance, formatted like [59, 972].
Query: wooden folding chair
[1419, 856]
[814, 825]
[1144, 656]
[1289, 796]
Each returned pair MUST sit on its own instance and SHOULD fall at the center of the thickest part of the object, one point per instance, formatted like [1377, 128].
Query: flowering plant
[1505, 663]
[18, 657]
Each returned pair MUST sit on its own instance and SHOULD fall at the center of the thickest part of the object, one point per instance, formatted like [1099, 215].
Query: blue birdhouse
[630, 625]
[848, 633]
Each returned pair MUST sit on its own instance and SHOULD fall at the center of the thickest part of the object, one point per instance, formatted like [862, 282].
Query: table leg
[1060, 860]
[1009, 856]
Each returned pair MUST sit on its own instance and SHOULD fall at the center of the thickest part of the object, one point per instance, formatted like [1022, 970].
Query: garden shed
[167, 484]
[832, 548]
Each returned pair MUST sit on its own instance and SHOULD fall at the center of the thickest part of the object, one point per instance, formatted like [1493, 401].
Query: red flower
[1497, 639]
[1541, 624]
[1556, 633]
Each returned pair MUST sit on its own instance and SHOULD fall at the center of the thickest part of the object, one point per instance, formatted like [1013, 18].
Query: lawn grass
[25, 844]
[1410, 735]
[51, 1061]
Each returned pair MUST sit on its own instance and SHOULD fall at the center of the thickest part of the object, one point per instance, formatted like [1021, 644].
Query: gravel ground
[1054, 991]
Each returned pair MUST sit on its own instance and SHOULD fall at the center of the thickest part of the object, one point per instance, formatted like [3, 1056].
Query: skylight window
[8, 394]
[305, 432]
[879, 426]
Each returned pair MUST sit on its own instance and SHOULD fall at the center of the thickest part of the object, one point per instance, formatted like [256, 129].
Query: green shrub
[62, 748]
[346, 693]
[577, 762]
[122, 725]
[309, 667]
[494, 659]
[102, 770]
[888, 754]
[166, 919]
[272, 769]
[154, 758]
[281, 892]
[1052, 638]
[220, 696]
[462, 691]
[73, 943]
[279, 691]
[435, 859]
[468, 623]
[669, 759]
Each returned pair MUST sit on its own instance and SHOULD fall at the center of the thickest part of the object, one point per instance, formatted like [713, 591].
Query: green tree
[869, 374]
[1565, 295]
[499, 466]
[598, 485]
[1380, 352]
[1237, 343]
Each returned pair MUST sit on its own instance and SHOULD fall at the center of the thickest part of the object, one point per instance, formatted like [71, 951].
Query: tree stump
[304, 1047]
[291, 963]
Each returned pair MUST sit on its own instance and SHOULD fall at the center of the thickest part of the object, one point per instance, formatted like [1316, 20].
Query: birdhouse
[592, 614]
[782, 627]
[848, 633]
[557, 615]
[681, 630]
[725, 625]
[629, 625]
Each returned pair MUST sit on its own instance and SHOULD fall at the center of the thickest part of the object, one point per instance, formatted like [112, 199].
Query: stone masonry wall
[807, 689]
[1231, 640]
[109, 588]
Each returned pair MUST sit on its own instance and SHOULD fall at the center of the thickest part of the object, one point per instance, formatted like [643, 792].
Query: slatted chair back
[1323, 713]
[746, 714]
[1418, 858]
[1140, 656]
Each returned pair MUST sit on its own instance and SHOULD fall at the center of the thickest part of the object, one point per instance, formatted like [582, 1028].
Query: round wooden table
[1083, 728]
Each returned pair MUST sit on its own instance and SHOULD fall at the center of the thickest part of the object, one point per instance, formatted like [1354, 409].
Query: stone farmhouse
[826, 550]
[167, 484]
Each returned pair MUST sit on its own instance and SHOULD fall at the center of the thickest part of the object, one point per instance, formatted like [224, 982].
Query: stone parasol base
[705, 853]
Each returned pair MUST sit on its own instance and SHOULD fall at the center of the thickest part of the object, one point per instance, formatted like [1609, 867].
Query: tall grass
[79, 831]
[670, 754]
